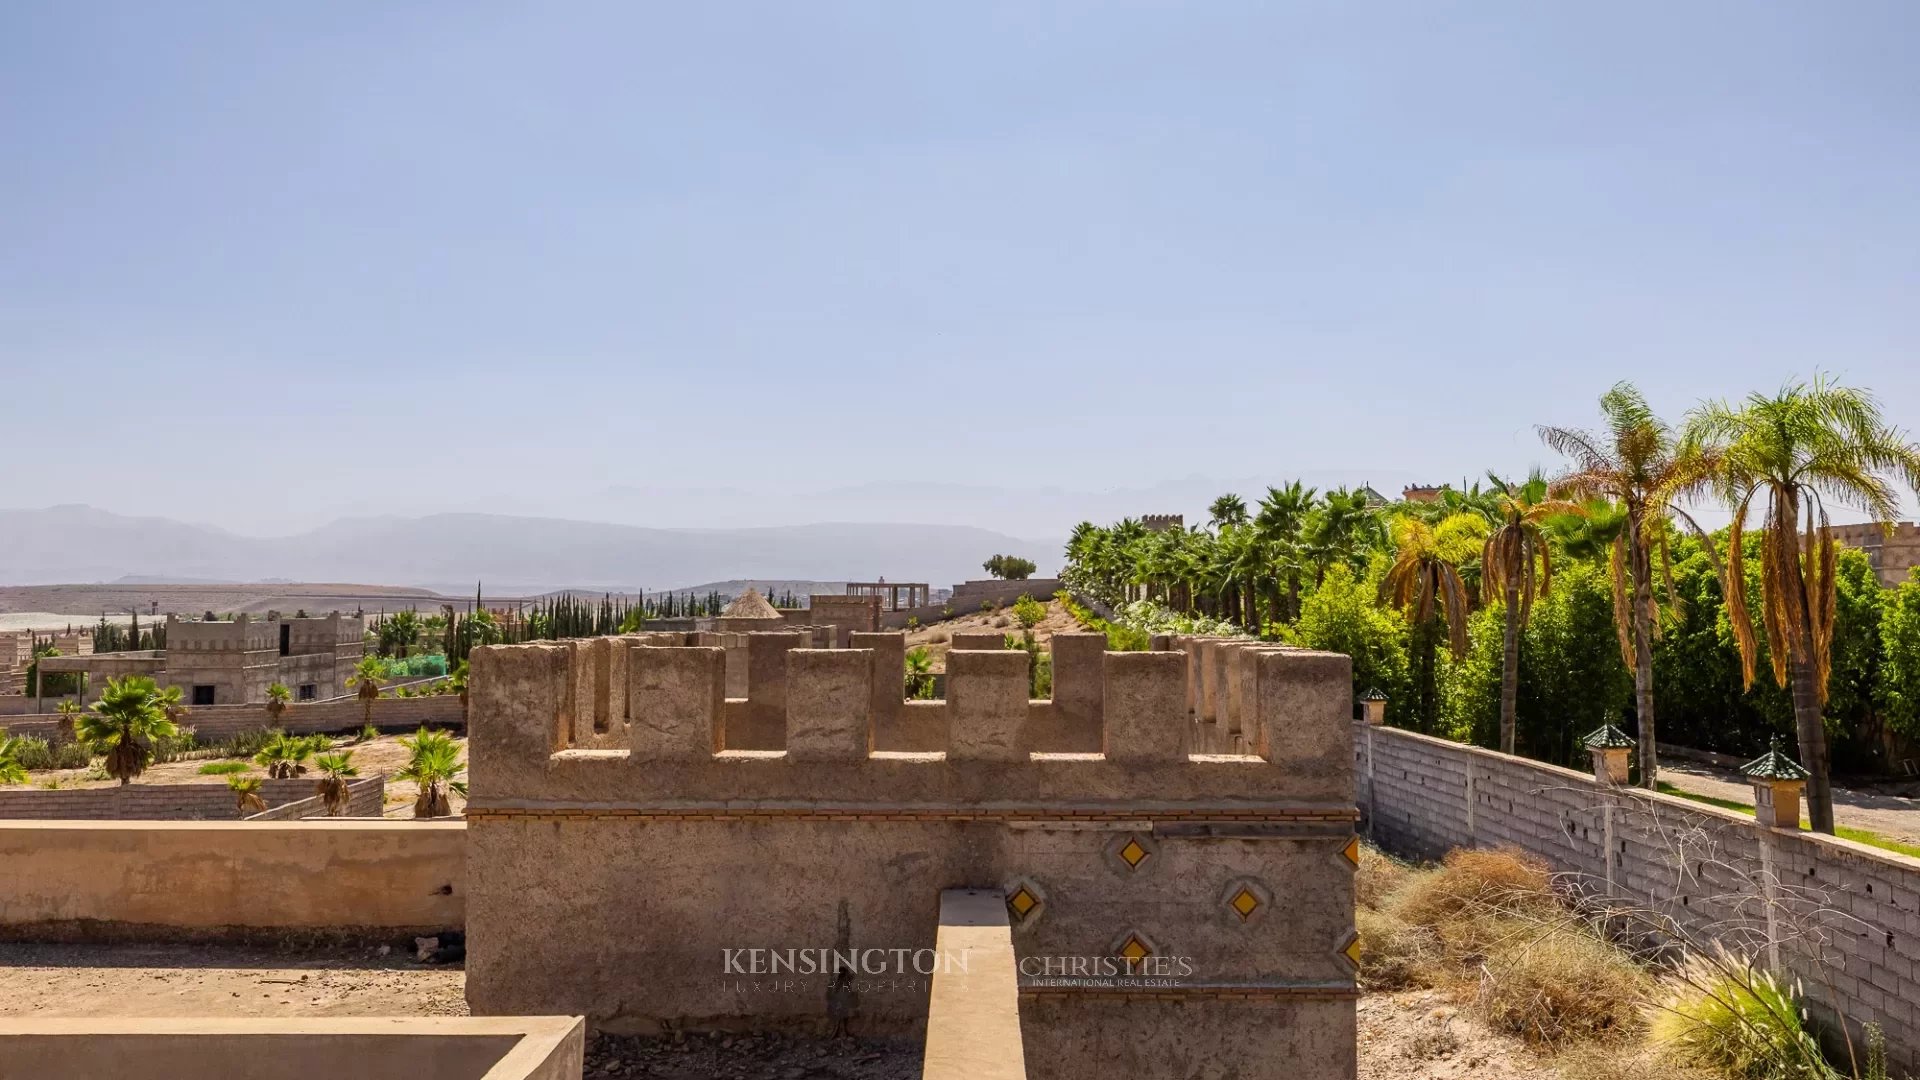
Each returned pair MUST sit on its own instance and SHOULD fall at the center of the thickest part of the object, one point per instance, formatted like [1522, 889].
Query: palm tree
[69, 713]
[1282, 516]
[1640, 464]
[1589, 533]
[1514, 560]
[366, 677]
[919, 671]
[1793, 452]
[1424, 581]
[285, 756]
[398, 632]
[124, 724]
[246, 793]
[335, 771]
[277, 697]
[1342, 529]
[435, 761]
[1228, 509]
[12, 771]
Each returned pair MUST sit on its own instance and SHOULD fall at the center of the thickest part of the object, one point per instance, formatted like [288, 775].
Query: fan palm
[434, 762]
[1640, 464]
[1279, 522]
[335, 771]
[277, 697]
[1793, 452]
[123, 725]
[1515, 560]
[1228, 509]
[246, 793]
[69, 713]
[366, 680]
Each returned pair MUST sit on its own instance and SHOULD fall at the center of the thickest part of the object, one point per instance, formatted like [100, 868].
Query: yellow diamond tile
[1022, 902]
[1134, 949]
[1352, 950]
[1245, 902]
[1352, 851]
[1133, 853]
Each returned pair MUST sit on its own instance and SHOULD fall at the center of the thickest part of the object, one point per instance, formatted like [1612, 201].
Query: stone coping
[375, 1048]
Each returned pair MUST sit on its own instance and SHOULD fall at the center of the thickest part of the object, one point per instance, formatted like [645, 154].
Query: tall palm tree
[366, 680]
[1245, 563]
[1639, 463]
[1342, 529]
[1282, 516]
[124, 724]
[1793, 452]
[1514, 560]
[1228, 509]
[1424, 581]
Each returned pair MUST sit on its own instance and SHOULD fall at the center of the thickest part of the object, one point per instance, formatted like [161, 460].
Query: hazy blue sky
[261, 264]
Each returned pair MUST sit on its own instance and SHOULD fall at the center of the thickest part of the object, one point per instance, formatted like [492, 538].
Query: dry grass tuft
[1396, 955]
[1561, 984]
[1379, 876]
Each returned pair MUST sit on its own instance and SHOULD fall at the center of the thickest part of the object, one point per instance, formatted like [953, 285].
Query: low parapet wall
[285, 799]
[154, 880]
[628, 869]
[1844, 918]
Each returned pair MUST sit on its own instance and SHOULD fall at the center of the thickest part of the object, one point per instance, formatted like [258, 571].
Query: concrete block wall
[216, 723]
[675, 847]
[1829, 911]
[212, 801]
[366, 798]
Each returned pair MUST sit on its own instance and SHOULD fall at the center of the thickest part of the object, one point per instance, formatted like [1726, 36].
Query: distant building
[16, 654]
[1422, 493]
[1893, 551]
[1163, 522]
[222, 662]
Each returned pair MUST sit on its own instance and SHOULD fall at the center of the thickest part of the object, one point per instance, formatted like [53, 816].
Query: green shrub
[175, 747]
[1028, 612]
[1725, 1014]
[222, 768]
[36, 754]
[244, 744]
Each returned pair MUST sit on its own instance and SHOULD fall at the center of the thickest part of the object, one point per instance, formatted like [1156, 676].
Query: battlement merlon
[668, 754]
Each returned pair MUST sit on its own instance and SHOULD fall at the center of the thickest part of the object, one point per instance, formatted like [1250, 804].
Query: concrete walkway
[1891, 816]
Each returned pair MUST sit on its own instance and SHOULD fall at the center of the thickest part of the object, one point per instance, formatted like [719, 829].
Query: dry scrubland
[937, 638]
[1479, 967]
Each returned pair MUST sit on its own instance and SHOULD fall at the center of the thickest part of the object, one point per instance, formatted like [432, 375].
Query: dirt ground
[1412, 1036]
[938, 638]
[383, 756]
[174, 980]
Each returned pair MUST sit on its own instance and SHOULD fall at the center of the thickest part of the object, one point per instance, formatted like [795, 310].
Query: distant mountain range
[511, 555]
